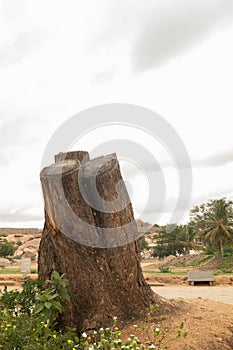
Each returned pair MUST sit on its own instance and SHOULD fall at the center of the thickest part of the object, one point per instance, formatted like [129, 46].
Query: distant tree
[186, 236]
[143, 244]
[6, 249]
[179, 241]
[214, 220]
[168, 243]
[3, 234]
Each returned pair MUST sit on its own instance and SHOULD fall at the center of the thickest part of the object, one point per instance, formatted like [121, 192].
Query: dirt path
[222, 294]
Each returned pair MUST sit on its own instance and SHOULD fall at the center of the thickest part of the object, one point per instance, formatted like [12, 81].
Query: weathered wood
[104, 282]
[112, 209]
[81, 156]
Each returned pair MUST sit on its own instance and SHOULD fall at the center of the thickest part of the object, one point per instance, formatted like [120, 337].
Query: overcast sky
[60, 57]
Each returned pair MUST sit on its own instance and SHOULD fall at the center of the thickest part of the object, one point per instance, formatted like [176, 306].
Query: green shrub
[164, 269]
[6, 249]
[228, 251]
[143, 244]
[51, 301]
[28, 321]
[213, 250]
[3, 234]
[18, 302]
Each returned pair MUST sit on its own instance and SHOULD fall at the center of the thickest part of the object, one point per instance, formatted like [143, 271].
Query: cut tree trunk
[91, 236]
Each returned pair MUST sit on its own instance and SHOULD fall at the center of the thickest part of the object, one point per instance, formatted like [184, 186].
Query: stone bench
[200, 276]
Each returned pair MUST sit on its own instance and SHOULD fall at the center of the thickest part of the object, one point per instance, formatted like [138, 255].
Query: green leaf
[55, 275]
[57, 306]
[47, 305]
[51, 297]
[182, 325]
[38, 308]
[66, 296]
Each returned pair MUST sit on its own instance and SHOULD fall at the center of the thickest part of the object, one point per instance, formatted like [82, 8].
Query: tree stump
[88, 235]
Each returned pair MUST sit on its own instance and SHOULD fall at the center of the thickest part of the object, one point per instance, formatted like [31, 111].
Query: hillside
[22, 231]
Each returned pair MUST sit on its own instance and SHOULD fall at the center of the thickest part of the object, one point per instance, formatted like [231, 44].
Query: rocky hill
[26, 239]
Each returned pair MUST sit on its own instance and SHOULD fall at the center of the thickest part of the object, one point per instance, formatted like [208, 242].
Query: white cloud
[12, 215]
[21, 46]
[172, 28]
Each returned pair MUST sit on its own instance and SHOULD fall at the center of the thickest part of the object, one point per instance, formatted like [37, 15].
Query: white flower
[152, 346]
[84, 335]
[104, 340]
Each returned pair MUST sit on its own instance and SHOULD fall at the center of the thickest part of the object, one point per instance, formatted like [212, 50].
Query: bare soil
[209, 325]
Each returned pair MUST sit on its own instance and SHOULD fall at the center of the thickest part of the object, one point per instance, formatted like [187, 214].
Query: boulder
[4, 262]
[28, 249]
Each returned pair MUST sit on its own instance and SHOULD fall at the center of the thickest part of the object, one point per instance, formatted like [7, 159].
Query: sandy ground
[222, 294]
[209, 325]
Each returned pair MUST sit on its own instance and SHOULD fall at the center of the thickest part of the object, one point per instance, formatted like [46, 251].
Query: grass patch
[202, 261]
[12, 271]
[9, 271]
[223, 273]
[164, 269]
[176, 273]
[227, 264]
[196, 263]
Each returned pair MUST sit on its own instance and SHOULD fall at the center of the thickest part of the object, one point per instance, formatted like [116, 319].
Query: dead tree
[90, 235]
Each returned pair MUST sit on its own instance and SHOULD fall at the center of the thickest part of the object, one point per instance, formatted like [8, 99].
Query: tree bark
[220, 247]
[90, 235]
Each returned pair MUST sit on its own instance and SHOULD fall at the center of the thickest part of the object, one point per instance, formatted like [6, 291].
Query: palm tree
[215, 222]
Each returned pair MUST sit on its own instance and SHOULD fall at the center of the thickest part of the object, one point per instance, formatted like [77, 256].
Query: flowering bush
[28, 319]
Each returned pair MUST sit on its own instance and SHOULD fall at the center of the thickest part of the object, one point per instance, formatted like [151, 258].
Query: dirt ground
[209, 325]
